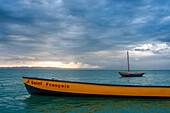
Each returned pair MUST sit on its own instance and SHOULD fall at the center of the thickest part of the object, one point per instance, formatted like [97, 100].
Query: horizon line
[58, 68]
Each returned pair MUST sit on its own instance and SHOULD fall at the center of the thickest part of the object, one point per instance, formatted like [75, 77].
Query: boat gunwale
[95, 83]
[130, 73]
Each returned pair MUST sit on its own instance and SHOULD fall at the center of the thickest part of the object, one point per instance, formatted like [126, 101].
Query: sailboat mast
[128, 60]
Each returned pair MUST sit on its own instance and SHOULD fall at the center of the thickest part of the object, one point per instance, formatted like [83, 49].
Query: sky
[92, 34]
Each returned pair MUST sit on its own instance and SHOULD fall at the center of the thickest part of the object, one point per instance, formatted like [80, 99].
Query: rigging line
[128, 60]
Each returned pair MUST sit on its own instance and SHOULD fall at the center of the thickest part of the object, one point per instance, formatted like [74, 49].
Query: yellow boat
[40, 86]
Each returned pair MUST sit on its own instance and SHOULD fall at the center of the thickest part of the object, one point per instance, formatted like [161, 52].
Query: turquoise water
[11, 83]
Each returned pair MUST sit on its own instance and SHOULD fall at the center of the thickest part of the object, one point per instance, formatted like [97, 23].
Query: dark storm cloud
[142, 49]
[166, 39]
[81, 27]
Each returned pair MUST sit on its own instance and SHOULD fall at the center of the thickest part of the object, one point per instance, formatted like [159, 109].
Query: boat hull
[127, 74]
[38, 86]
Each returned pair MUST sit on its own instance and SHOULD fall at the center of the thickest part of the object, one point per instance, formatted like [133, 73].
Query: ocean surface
[11, 84]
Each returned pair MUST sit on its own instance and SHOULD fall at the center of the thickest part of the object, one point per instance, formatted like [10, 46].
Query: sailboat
[129, 74]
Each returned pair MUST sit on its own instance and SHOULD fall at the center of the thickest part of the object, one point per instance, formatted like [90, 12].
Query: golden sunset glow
[48, 64]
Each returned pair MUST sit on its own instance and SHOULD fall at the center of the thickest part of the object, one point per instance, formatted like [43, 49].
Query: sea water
[11, 83]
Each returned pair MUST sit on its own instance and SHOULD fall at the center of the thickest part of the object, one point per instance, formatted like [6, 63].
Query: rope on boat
[19, 92]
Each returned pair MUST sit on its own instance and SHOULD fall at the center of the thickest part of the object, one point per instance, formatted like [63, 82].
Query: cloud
[81, 31]
[155, 48]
